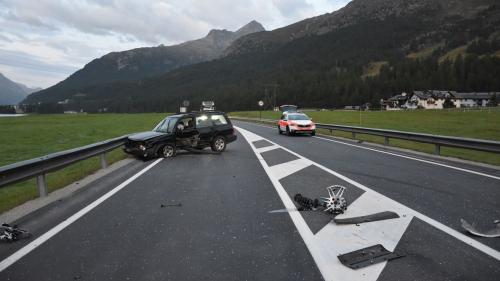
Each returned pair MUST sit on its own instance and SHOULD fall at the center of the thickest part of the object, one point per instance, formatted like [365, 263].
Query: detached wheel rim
[168, 151]
[219, 144]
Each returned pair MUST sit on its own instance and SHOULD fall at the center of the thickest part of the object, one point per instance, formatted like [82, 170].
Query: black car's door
[184, 136]
[205, 128]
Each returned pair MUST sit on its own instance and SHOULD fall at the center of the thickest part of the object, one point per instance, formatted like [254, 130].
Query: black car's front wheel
[167, 151]
[219, 144]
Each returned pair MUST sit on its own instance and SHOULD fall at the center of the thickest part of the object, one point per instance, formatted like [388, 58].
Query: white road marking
[49, 234]
[330, 241]
[285, 169]
[267, 148]
[402, 156]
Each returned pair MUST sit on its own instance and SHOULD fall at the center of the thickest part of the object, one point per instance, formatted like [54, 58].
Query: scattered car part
[171, 205]
[11, 233]
[335, 203]
[367, 256]
[368, 218]
[492, 233]
[306, 204]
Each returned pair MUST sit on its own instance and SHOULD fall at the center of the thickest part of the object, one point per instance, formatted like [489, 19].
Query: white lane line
[402, 156]
[415, 159]
[49, 234]
[460, 236]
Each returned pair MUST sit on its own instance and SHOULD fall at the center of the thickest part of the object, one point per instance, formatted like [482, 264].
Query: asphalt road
[208, 217]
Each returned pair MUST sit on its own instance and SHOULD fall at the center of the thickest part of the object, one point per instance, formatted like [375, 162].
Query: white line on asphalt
[415, 159]
[49, 234]
[460, 236]
[402, 156]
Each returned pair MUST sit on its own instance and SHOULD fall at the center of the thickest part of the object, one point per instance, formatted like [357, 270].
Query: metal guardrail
[437, 140]
[39, 167]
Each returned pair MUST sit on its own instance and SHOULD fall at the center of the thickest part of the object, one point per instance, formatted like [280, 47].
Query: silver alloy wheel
[219, 144]
[168, 151]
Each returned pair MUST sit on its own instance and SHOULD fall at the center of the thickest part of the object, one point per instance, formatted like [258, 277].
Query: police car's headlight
[142, 147]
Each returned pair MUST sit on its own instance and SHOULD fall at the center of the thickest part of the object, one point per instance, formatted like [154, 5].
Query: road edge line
[4, 264]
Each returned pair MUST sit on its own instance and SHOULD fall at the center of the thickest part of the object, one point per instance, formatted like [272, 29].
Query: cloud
[69, 34]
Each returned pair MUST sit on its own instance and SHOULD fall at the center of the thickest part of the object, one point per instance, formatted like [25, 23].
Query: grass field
[481, 124]
[37, 135]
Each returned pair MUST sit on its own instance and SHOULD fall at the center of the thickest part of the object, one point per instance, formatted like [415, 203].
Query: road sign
[261, 103]
[185, 103]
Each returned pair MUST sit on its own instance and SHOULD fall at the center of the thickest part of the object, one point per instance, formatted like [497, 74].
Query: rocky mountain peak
[251, 27]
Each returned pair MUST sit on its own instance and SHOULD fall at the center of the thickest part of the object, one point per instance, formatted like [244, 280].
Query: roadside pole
[261, 104]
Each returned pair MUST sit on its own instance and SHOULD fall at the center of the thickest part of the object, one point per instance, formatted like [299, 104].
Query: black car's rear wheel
[167, 151]
[219, 144]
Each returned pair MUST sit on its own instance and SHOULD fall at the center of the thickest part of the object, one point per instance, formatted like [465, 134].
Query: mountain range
[12, 93]
[366, 51]
[136, 64]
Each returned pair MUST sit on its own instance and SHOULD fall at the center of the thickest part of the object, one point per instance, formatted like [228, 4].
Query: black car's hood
[145, 136]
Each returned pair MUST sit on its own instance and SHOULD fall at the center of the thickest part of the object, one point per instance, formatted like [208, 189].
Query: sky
[42, 42]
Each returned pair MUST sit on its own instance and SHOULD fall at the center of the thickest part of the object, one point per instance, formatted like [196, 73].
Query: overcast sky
[44, 41]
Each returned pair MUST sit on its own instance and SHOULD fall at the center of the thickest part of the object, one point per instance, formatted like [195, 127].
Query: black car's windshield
[298, 117]
[166, 126]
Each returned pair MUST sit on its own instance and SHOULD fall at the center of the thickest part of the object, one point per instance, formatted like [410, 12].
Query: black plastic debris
[171, 205]
[368, 218]
[306, 204]
[11, 233]
[367, 256]
[492, 233]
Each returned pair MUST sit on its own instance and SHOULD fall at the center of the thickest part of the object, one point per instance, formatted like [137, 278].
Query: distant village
[434, 99]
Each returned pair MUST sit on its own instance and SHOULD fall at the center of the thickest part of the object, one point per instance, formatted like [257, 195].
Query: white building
[473, 99]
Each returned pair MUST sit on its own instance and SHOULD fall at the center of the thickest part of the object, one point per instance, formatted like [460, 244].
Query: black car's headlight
[142, 147]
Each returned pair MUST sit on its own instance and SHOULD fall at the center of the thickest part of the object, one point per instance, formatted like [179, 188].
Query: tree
[493, 101]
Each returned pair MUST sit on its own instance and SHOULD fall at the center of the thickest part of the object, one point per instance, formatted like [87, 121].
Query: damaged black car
[189, 131]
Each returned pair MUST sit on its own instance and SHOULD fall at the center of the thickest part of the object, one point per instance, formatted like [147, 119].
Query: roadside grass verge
[33, 136]
[479, 124]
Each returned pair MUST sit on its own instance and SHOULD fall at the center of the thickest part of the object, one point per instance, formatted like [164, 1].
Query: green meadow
[33, 136]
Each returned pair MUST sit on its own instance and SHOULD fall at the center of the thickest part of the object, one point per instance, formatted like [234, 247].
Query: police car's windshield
[166, 126]
[298, 117]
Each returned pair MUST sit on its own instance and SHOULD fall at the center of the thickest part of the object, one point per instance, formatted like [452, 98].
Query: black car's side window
[202, 121]
[188, 123]
[218, 119]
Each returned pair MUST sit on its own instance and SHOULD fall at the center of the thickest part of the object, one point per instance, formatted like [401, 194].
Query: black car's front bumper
[137, 151]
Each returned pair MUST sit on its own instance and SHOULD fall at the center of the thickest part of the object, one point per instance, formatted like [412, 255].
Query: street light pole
[261, 104]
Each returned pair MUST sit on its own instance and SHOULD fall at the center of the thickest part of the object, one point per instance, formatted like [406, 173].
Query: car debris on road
[492, 233]
[368, 218]
[335, 203]
[367, 256]
[11, 233]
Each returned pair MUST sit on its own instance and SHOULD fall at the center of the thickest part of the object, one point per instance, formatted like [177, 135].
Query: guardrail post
[331, 132]
[104, 162]
[41, 182]
[437, 149]
[386, 141]
[353, 135]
